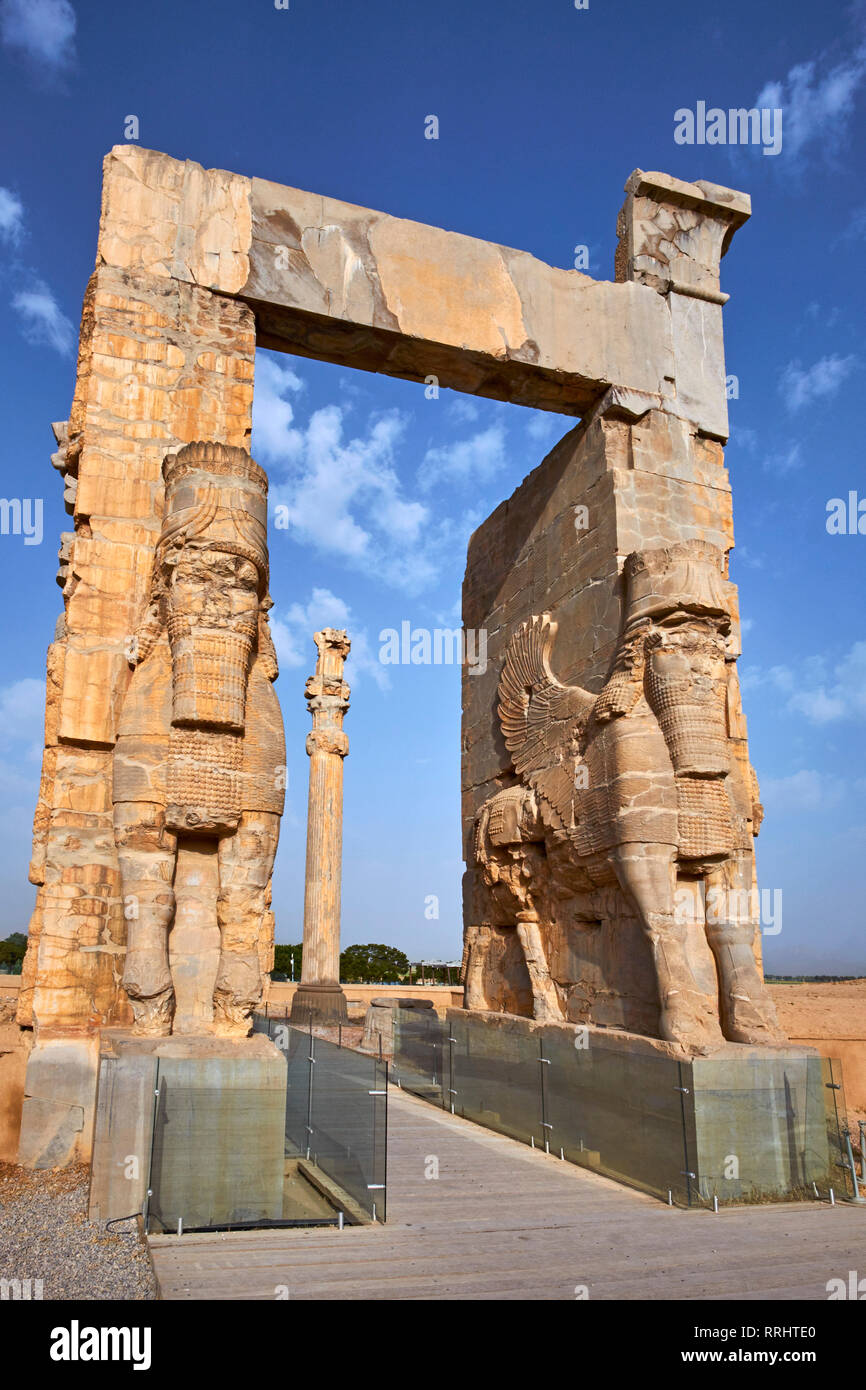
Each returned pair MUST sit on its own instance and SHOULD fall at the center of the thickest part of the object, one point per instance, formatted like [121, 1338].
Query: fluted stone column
[320, 997]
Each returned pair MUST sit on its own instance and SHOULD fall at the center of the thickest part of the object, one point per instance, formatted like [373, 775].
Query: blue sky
[543, 112]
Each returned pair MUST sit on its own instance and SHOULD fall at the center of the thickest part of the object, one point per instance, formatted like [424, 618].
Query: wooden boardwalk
[505, 1222]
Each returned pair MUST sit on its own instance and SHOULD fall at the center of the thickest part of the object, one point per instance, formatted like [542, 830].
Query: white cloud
[348, 493]
[544, 426]
[343, 495]
[856, 228]
[274, 436]
[466, 461]
[785, 460]
[11, 215]
[43, 321]
[823, 694]
[801, 791]
[744, 439]
[43, 29]
[293, 636]
[464, 409]
[744, 556]
[801, 386]
[818, 101]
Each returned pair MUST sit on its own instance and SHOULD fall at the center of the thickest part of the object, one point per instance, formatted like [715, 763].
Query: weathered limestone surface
[15, 1044]
[166, 357]
[161, 363]
[59, 1100]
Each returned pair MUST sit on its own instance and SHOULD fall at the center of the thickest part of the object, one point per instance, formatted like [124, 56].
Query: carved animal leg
[647, 874]
[748, 1013]
[545, 1004]
[147, 853]
[245, 863]
[475, 956]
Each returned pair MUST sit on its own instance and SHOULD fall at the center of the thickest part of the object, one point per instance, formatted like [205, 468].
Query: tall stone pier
[610, 806]
[320, 998]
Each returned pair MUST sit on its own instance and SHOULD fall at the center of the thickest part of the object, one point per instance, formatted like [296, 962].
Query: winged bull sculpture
[632, 787]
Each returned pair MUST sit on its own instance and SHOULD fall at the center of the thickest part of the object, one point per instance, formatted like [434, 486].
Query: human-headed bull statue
[632, 786]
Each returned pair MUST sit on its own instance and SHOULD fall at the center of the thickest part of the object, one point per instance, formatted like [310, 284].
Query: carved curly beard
[692, 720]
[689, 700]
[210, 671]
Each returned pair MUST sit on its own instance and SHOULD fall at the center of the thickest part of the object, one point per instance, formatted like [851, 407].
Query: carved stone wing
[540, 719]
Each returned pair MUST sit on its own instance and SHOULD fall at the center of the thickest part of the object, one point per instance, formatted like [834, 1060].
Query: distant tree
[12, 953]
[373, 964]
[287, 961]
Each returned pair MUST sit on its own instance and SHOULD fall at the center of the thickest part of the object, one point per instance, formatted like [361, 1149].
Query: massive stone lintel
[345, 284]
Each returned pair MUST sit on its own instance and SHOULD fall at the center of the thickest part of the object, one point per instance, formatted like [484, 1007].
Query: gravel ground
[45, 1234]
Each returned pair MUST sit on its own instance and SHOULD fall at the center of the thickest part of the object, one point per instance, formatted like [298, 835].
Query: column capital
[327, 741]
[327, 694]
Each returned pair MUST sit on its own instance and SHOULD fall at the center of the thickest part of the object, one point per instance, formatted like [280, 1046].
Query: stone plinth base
[319, 1004]
[15, 1045]
[200, 1120]
[58, 1101]
[745, 1123]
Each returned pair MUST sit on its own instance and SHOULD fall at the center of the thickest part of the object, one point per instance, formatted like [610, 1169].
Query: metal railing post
[686, 1173]
[545, 1127]
[311, 1064]
[861, 1201]
[149, 1185]
[452, 1089]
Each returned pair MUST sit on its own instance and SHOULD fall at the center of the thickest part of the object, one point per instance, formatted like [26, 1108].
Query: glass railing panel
[421, 1054]
[217, 1151]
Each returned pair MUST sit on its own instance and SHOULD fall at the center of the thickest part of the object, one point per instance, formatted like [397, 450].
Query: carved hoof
[153, 1016]
[230, 1018]
[151, 1030]
[224, 1028]
[690, 1023]
[230, 1022]
[545, 1012]
[147, 979]
[761, 1035]
[751, 1021]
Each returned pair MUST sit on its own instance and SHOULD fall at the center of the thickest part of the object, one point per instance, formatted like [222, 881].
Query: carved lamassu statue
[200, 754]
[635, 788]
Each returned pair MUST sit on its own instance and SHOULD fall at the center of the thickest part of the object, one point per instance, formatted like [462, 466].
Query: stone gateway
[605, 761]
